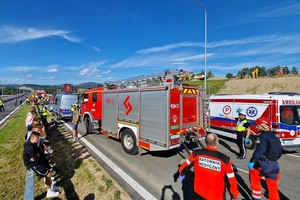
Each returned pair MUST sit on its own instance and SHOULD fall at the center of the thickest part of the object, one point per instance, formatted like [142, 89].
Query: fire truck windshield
[290, 115]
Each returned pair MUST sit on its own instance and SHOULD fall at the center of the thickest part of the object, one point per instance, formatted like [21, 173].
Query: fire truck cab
[151, 112]
[282, 108]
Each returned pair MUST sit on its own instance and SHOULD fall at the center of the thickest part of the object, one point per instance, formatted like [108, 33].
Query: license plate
[288, 141]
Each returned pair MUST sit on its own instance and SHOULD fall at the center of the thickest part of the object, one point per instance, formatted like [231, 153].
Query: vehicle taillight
[174, 141]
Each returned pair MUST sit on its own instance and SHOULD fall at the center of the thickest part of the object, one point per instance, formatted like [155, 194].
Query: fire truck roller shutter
[128, 141]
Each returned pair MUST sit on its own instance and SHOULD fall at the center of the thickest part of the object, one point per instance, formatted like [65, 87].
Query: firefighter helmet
[263, 120]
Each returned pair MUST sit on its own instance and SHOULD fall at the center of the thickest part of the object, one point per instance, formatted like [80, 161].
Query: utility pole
[205, 40]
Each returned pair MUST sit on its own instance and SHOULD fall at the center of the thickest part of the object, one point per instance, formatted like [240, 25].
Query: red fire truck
[153, 112]
[282, 108]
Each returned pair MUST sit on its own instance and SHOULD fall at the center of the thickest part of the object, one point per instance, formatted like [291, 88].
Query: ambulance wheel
[128, 142]
[252, 144]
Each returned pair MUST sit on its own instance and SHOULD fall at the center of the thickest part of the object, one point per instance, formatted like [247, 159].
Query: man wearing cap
[242, 133]
[264, 162]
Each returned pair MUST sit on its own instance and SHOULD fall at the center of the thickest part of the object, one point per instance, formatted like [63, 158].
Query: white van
[62, 105]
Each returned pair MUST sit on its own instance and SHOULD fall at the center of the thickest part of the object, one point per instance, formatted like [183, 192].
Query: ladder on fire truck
[175, 77]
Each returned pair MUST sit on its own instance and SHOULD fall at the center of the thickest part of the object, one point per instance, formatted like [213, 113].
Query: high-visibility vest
[1, 103]
[240, 125]
[45, 112]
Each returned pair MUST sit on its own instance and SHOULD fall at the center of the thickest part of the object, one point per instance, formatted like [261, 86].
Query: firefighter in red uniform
[212, 169]
[264, 161]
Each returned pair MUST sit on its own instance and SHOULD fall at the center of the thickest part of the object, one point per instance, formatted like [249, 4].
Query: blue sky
[67, 41]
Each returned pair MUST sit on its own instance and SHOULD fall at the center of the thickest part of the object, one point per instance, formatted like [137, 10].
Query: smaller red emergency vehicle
[152, 112]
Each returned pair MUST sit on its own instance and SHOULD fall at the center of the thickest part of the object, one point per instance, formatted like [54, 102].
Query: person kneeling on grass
[33, 160]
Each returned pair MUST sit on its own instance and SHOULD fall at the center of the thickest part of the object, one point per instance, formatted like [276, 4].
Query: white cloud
[84, 72]
[20, 69]
[47, 78]
[91, 68]
[95, 71]
[169, 47]
[106, 72]
[52, 69]
[289, 10]
[9, 34]
[96, 48]
[99, 76]
[29, 76]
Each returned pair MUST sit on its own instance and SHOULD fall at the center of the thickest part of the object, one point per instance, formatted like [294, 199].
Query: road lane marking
[134, 184]
[9, 115]
[292, 155]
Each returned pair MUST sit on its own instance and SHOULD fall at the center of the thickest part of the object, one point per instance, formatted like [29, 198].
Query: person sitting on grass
[34, 161]
[53, 124]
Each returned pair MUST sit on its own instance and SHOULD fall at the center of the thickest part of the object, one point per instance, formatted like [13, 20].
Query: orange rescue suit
[212, 169]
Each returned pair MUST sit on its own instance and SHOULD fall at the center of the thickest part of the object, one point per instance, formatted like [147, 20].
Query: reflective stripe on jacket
[211, 169]
[240, 125]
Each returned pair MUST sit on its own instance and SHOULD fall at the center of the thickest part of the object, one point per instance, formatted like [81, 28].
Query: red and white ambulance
[282, 108]
[152, 112]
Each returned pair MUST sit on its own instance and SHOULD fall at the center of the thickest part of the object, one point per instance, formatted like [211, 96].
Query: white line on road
[135, 185]
[293, 155]
[8, 116]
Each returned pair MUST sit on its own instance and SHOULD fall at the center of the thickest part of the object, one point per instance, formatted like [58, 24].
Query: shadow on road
[228, 147]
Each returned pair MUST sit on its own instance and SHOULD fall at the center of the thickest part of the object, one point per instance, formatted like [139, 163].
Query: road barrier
[29, 185]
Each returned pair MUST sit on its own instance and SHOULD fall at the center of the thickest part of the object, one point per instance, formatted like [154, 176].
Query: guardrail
[29, 185]
[6, 99]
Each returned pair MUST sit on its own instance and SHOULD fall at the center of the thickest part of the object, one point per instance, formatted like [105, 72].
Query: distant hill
[87, 85]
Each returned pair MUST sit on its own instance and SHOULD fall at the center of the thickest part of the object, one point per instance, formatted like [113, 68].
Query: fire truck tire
[252, 144]
[88, 125]
[128, 142]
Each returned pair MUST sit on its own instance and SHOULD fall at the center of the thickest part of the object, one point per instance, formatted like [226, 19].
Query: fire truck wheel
[128, 142]
[87, 125]
[252, 144]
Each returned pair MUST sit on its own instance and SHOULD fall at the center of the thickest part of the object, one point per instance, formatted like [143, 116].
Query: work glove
[181, 177]
[246, 140]
[251, 165]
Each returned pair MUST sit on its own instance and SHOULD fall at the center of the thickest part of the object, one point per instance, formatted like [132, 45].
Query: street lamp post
[205, 40]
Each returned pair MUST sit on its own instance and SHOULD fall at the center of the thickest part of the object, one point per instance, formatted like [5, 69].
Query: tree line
[263, 71]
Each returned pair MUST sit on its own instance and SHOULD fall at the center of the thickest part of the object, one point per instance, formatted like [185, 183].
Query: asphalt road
[9, 107]
[155, 170]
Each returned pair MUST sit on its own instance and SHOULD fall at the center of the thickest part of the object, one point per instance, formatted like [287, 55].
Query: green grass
[74, 173]
[108, 182]
[213, 86]
[117, 195]
[12, 169]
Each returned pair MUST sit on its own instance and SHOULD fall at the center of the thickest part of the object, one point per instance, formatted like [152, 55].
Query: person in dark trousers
[2, 105]
[52, 124]
[33, 159]
[264, 161]
[242, 133]
[213, 171]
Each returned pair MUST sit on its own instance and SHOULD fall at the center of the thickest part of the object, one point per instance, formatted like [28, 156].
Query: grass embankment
[77, 172]
[213, 86]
